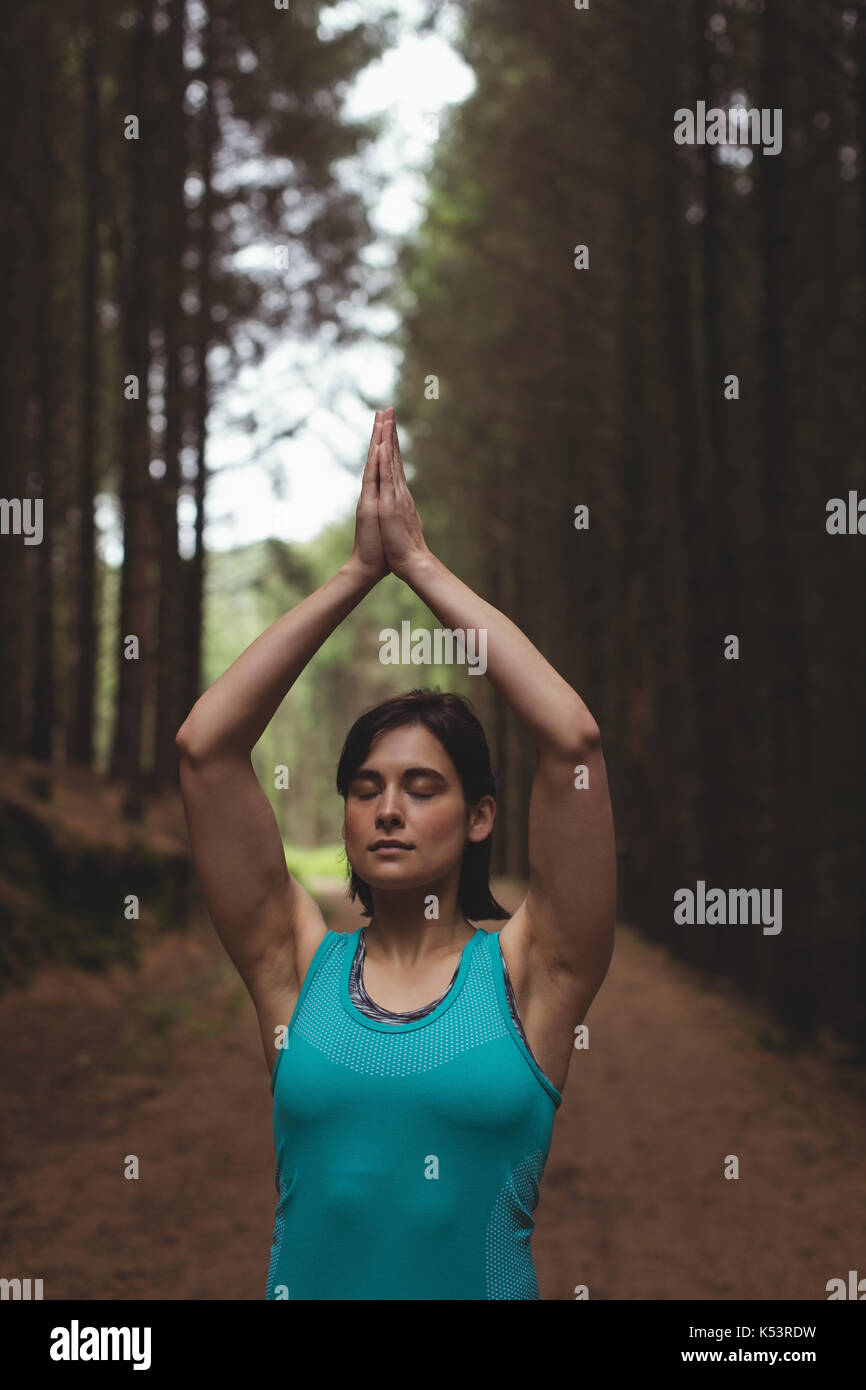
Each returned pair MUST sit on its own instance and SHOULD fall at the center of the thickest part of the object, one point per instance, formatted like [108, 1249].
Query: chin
[391, 874]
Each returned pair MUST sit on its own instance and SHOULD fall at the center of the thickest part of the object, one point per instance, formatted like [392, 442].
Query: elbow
[583, 734]
[192, 738]
[578, 742]
[581, 745]
[191, 757]
[185, 743]
[589, 737]
[182, 744]
[194, 749]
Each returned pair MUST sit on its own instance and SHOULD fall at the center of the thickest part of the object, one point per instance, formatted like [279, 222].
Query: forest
[631, 383]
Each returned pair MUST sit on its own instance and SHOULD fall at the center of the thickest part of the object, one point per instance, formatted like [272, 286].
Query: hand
[399, 522]
[368, 553]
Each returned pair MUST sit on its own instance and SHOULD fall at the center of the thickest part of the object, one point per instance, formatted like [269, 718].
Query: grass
[322, 861]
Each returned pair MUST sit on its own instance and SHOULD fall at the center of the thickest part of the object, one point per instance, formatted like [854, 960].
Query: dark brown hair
[451, 719]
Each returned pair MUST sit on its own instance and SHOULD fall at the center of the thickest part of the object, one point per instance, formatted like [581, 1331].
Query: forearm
[551, 711]
[233, 713]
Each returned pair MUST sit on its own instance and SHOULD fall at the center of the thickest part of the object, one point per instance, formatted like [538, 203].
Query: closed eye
[420, 796]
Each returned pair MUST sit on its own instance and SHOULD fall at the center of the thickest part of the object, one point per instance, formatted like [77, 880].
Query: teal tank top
[408, 1156]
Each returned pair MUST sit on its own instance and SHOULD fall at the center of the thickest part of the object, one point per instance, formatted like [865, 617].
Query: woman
[410, 1135]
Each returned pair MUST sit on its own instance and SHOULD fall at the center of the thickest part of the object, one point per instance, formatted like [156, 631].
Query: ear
[481, 818]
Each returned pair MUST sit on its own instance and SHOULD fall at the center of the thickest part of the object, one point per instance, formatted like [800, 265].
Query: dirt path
[167, 1065]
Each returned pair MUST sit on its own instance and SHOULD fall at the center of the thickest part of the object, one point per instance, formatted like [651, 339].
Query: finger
[394, 453]
[375, 437]
[388, 445]
[371, 466]
[386, 474]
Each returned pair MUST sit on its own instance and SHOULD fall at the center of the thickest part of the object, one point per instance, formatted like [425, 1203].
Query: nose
[389, 813]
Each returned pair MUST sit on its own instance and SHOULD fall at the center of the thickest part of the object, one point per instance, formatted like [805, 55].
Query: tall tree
[136, 489]
[171, 647]
[80, 747]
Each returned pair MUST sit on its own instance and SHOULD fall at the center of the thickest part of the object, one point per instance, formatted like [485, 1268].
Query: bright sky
[318, 472]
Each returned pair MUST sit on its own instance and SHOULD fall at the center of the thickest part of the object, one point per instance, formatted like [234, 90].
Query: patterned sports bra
[361, 999]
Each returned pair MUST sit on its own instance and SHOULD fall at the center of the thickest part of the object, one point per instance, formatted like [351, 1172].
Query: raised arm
[567, 919]
[268, 923]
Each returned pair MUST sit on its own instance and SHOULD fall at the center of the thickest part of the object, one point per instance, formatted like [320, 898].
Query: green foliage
[320, 862]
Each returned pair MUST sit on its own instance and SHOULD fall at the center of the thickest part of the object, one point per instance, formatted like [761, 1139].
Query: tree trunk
[194, 595]
[41, 738]
[80, 748]
[787, 861]
[169, 715]
[136, 484]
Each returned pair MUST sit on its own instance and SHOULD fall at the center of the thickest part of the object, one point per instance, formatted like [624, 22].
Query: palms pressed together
[389, 536]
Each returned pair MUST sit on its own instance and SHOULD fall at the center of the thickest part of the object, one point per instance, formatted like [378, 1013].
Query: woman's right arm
[268, 923]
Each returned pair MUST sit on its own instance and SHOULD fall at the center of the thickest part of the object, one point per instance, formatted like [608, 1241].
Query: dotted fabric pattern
[472, 1019]
[279, 1232]
[507, 1277]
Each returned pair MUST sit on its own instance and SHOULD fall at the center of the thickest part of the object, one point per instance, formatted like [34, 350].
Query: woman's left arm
[568, 914]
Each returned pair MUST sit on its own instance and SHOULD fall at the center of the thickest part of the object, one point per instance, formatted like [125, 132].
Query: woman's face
[407, 789]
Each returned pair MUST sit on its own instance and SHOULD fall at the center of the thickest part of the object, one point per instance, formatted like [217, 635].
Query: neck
[400, 931]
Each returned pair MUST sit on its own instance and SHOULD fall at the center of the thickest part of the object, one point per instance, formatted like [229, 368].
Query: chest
[547, 1009]
[382, 1093]
[402, 991]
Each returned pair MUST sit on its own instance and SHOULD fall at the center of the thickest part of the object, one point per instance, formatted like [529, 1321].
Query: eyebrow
[372, 775]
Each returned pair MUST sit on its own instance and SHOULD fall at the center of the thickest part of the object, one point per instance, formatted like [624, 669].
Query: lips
[389, 844]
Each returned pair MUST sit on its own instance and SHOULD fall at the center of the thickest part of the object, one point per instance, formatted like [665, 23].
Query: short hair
[452, 720]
